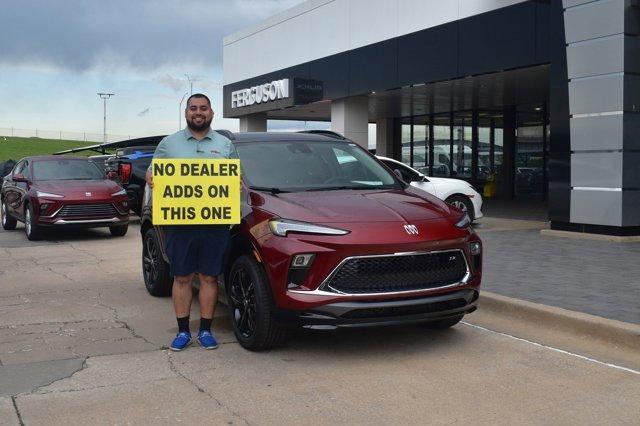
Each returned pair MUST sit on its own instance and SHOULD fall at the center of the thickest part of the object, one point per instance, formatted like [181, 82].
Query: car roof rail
[226, 133]
[328, 133]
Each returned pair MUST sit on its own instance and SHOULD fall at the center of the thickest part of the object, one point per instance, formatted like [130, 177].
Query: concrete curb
[610, 331]
[591, 237]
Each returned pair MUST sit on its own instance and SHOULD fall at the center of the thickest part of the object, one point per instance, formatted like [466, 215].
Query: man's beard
[199, 127]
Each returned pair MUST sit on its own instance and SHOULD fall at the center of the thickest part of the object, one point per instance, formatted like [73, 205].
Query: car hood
[77, 188]
[351, 206]
[448, 181]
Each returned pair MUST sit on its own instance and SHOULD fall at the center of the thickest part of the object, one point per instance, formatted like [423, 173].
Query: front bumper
[379, 313]
[477, 205]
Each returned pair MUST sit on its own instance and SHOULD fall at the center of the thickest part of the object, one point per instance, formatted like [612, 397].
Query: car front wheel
[8, 223]
[251, 305]
[462, 203]
[30, 227]
[155, 270]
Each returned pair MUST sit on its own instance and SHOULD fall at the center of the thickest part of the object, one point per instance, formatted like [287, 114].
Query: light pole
[104, 97]
[180, 111]
[190, 83]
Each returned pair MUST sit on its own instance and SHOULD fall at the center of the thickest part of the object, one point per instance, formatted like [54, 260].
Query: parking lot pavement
[81, 341]
[596, 277]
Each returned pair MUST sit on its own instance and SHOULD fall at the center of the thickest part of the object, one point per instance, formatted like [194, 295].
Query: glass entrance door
[531, 151]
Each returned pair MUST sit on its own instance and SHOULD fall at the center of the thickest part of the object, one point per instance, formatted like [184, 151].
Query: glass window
[462, 145]
[20, 168]
[406, 141]
[441, 145]
[421, 144]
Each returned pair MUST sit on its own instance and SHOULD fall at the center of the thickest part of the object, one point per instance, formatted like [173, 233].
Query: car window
[19, 169]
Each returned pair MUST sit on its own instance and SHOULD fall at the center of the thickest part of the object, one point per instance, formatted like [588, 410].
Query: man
[195, 248]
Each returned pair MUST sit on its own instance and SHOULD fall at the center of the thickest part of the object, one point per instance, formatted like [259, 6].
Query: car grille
[71, 210]
[393, 273]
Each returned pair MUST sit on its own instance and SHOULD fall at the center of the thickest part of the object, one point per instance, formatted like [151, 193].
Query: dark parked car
[60, 191]
[128, 168]
[331, 238]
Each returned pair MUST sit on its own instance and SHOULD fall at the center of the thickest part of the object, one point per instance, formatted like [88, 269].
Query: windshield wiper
[268, 189]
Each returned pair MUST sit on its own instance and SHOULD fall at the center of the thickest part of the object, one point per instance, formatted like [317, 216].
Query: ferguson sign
[268, 92]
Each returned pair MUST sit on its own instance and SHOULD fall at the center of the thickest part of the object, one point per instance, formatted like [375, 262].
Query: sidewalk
[594, 277]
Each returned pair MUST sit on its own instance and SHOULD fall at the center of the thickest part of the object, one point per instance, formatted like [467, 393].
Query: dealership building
[538, 99]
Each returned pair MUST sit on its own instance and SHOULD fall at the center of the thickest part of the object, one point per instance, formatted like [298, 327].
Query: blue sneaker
[182, 340]
[207, 340]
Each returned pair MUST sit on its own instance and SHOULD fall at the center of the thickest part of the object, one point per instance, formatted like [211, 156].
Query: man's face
[198, 114]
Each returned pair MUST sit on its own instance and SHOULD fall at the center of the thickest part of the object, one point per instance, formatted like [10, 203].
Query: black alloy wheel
[8, 223]
[462, 203]
[155, 270]
[31, 229]
[251, 305]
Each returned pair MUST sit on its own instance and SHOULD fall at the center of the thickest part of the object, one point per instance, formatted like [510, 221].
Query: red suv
[47, 192]
[331, 238]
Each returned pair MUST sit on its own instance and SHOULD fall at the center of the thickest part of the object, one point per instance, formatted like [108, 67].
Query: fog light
[475, 248]
[44, 207]
[302, 260]
[125, 204]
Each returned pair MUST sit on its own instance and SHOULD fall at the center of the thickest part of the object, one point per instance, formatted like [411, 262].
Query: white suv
[457, 192]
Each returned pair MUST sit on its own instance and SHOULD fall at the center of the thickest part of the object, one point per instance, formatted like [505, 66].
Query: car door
[13, 191]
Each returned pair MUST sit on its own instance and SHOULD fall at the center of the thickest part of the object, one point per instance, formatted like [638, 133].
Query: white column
[253, 123]
[350, 118]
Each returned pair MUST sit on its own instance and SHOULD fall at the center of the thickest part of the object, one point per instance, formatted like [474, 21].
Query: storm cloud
[141, 35]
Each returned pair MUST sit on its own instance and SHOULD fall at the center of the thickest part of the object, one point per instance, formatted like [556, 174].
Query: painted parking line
[595, 361]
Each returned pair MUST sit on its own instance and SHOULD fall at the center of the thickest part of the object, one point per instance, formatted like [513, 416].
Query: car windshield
[310, 166]
[66, 170]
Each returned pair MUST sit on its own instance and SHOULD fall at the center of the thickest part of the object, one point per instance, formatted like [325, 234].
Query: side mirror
[19, 177]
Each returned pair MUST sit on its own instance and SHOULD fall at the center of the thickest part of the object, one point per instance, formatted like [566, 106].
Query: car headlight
[121, 192]
[463, 222]
[281, 227]
[48, 195]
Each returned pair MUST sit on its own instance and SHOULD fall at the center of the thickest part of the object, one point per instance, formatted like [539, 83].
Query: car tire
[119, 231]
[31, 229]
[155, 270]
[251, 305]
[8, 223]
[443, 323]
[462, 203]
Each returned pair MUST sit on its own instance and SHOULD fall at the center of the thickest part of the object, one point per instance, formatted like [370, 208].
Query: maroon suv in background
[331, 238]
[62, 191]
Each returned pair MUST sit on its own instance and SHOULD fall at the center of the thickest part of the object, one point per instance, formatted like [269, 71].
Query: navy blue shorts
[193, 248]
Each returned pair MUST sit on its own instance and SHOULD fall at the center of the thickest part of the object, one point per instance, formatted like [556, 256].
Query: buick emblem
[88, 194]
[411, 229]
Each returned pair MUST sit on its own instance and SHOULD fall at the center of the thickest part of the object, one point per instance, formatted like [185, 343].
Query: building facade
[537, 99]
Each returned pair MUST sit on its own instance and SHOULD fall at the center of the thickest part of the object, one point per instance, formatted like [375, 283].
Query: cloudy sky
[55, 55]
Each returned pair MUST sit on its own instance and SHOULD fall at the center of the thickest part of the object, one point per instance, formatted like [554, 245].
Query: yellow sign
[196, 192]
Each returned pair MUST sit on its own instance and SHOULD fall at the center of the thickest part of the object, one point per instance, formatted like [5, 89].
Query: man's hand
[149, 178]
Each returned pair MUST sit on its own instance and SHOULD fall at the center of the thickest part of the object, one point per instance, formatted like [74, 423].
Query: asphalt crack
[124, 324]
[15, 407]
[179, 374]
